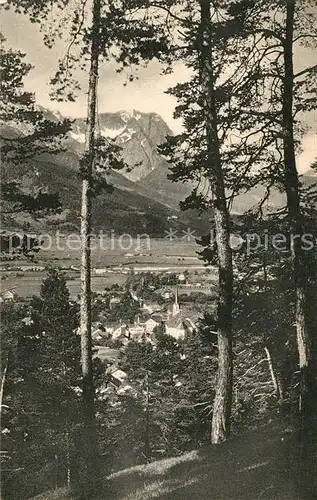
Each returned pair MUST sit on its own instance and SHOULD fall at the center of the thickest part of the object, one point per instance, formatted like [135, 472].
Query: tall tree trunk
[307, 386]
[91, 454]
[295, 215]
[147, 449]
[223, 397]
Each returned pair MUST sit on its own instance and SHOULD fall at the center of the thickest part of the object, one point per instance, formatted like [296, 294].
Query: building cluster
[152, 319]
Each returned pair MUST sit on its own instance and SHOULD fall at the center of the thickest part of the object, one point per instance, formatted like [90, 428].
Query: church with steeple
[174, 322]
[150, 320]
[174, 310]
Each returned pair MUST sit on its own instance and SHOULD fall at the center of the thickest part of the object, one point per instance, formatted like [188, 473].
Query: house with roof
[120, 332]
[135, 332]
[159, 317]
[116, 382]
[9, 295]
[150, 324]
[114, 301]
[116, 376]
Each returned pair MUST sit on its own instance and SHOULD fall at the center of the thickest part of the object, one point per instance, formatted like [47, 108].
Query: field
[29, 284]
[111, 262]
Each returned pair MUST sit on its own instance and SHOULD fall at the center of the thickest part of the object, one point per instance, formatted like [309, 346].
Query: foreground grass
[263, 466]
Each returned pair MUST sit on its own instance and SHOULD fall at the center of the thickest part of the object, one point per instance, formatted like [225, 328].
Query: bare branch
[305, 36]
[307, 70]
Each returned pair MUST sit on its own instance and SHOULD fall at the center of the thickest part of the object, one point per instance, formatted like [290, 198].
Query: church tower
[176, 308]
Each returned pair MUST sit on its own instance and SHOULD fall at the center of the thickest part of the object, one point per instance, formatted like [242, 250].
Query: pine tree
[202, 156]
[43, 380]
[286, 95]
[110, 27]
[153, 370]
[36, 135]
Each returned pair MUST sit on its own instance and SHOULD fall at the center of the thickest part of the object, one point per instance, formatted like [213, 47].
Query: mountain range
[143, 198]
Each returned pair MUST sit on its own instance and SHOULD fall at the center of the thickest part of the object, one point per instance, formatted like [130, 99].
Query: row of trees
[28, 132]
[42, 409]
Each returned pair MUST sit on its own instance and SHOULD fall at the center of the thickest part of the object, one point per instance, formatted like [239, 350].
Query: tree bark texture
[223, 396]
[295, 213]
[91, 455]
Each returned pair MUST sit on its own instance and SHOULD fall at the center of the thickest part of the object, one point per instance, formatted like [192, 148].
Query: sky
[147, 94]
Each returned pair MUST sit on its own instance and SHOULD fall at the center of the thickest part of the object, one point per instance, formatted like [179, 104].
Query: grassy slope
[261, 465]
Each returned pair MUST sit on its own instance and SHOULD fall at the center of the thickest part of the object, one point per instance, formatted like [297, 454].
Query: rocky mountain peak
[137, 133]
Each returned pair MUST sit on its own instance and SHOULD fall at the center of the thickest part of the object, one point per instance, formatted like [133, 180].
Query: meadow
[111, 263]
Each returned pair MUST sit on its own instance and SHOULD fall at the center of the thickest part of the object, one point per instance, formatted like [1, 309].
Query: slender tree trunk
[295, 215]
[147, 449]
[3, 380]
[223, 397]
[91, 453]
[274, 376]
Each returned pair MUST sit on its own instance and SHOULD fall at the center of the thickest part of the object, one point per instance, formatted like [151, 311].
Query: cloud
[309, 152]
[147, 93]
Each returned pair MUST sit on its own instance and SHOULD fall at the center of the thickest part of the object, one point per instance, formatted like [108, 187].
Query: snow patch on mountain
[112, 133]
[80, 137]
[157, 118]
[130, 114]
[126, 115]
[58, 115]
[126, 135]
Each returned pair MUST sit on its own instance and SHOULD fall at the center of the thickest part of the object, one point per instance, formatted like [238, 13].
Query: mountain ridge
[141, 192]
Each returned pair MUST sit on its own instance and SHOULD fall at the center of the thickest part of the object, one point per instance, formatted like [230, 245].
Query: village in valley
[131, 302]
[151, 317]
